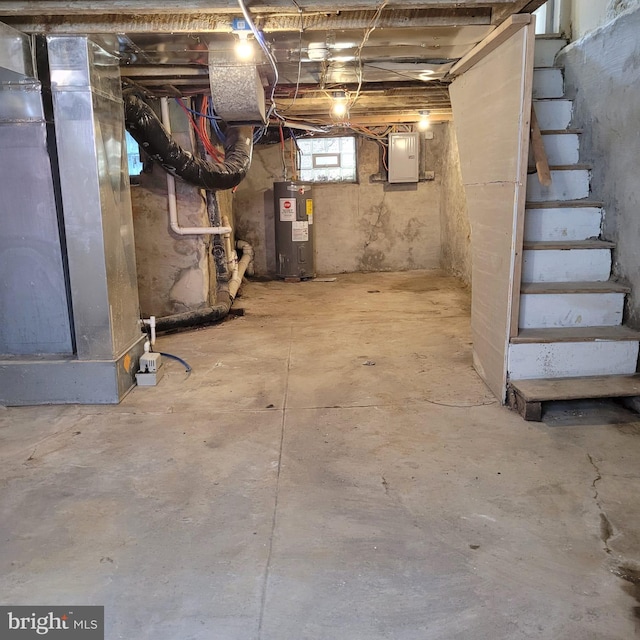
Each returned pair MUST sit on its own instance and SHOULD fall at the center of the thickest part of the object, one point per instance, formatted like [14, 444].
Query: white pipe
[151, 323]
[232, 256]
[171, 193]
[241, 268]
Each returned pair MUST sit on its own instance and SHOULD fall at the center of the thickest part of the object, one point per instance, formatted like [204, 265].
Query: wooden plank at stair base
[529, 410]
[554, 389]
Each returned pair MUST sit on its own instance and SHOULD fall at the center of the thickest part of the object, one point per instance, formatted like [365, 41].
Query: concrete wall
[359, 227]
[603, 74]
[174, 272]
[454, 218]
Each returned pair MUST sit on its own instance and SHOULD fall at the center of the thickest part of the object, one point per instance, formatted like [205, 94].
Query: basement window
[133, 156]
[328, 159]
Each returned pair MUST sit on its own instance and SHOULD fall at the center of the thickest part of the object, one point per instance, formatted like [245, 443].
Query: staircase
[571, 342]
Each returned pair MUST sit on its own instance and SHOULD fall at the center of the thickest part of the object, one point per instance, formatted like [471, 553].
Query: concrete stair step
[548, 224]
[548, 83]
[547, 49]
[572, 352]
[554, 114]
[545, 305]
[561, 309]
[562, 149]
[567, 183]
[575, 261]
[527, 396]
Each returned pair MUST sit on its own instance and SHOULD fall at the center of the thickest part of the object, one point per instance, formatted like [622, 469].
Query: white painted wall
[587, 15]
[578, 18]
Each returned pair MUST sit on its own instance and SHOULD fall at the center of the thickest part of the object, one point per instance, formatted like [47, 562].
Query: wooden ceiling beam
[500, 14]
[159, 7]
[215, 22]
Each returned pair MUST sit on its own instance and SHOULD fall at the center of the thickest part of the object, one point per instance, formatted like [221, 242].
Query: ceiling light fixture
[339, 108]
[424, 123]
[244, 47]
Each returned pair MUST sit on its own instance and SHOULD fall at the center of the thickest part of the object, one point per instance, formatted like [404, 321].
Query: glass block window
[328, 159]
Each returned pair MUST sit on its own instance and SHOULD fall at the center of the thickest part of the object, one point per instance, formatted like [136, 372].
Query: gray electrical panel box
[404, 156]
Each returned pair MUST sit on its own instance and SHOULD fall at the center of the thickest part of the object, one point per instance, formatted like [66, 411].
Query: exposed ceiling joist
[269, 23]
[158, 7]
[393, 62]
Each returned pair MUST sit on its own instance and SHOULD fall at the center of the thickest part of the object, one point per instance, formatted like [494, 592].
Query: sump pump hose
[147, 130]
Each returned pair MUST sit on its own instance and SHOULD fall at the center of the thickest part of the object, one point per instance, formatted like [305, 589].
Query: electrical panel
[404, 156]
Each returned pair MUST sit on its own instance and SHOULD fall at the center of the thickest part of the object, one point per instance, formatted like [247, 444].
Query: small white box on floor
[149, 379]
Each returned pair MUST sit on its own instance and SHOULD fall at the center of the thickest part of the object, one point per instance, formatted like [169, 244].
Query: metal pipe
[171, 192]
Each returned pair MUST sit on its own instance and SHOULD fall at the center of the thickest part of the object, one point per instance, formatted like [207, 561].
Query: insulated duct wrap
[145, 127]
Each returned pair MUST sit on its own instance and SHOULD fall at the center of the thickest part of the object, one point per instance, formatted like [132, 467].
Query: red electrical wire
[202, 133]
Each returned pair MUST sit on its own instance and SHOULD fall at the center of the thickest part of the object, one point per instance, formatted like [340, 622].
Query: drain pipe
[227, 291]
[171, 192]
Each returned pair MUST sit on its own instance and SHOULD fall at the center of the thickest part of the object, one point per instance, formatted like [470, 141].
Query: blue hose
[184, 363]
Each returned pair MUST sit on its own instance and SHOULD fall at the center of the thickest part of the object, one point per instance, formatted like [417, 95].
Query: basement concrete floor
[332, 469]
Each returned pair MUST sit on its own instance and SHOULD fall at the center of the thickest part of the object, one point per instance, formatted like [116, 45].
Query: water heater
[295, 250]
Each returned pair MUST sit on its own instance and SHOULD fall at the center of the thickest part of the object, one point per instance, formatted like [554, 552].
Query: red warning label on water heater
[287, 210]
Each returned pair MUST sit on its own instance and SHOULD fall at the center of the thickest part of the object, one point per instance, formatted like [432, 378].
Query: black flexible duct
[147, 130]
[197, 318]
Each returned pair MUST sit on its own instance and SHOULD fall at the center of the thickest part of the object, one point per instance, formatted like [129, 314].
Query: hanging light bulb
[243, 47]
[424, 123]
[339, 107]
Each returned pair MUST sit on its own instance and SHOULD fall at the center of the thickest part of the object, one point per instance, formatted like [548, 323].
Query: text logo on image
[53, 623]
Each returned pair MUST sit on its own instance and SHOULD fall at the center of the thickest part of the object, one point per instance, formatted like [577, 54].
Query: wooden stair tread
[549, 389]
[565, 204]
[610, 286]
[562, 167]
[576, 334]
[551, 36]
[571, 167]
[567, 245]
[558, 132]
